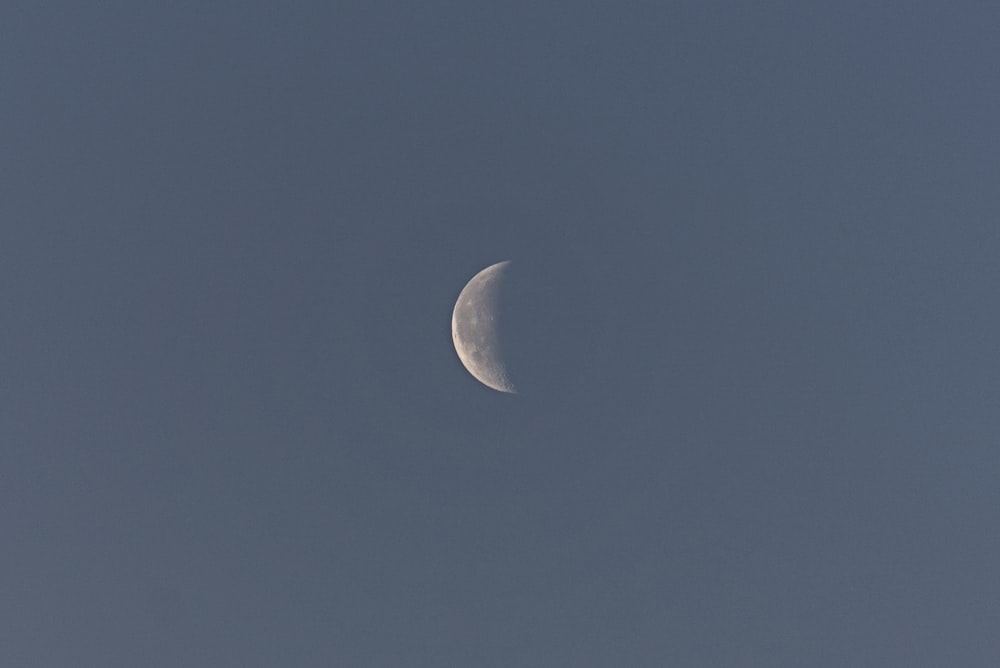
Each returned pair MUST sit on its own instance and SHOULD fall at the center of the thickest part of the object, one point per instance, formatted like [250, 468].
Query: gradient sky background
[754, 299]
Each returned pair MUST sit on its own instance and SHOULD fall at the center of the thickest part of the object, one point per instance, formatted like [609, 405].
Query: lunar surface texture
[475, 328]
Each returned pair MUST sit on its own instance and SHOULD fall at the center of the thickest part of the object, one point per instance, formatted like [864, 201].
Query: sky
[751, 311]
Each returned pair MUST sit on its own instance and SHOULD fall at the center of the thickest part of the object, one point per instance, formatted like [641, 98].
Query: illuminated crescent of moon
[474, 328]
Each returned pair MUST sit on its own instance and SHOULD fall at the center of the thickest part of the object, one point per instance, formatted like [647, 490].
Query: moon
[474, 328]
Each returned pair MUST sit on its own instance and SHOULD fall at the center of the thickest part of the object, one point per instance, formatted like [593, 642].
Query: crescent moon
[474, 329]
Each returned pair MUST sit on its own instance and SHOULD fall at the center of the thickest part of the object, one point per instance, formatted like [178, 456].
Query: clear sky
[753, 302]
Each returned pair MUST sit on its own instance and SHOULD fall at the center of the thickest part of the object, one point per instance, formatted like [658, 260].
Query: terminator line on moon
[474, 324]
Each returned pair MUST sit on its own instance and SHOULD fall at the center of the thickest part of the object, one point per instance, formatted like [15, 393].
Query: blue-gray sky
[754, 300]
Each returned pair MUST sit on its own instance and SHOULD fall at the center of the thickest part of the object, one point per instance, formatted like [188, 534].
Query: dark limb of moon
[475, 328]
